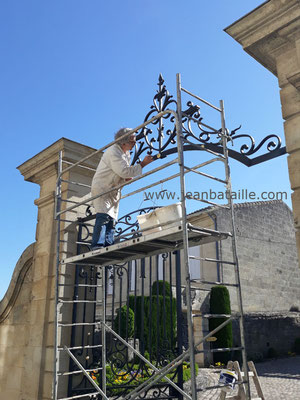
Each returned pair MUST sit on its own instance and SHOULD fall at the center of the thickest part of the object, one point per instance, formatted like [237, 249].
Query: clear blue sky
[82, 69]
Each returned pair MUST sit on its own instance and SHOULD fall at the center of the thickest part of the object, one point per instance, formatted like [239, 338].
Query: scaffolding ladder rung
[74, 202]
[206, 315]
[223, 349]
[214, 283]
[220, 350]
[80, 324]
[81, 347]
[78, 371]
[78, 165]
[212, 203]
[76, 183]
[206, 175]
[211, 260]
[80, 396]
[80, 285]
[207, 230]
[77, 301]
[200, 99]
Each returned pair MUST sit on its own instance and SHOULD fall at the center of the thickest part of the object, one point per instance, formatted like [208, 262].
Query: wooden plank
[241, 392]
[256, 380]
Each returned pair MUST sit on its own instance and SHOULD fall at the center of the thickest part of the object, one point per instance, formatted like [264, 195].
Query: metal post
[185, 239]
[57, 210]
[104, 272]
[234, 251]
[179, 318]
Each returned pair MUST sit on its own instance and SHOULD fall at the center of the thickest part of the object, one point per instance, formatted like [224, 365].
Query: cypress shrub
[220, 304]
[124, 322]
[164, 288]
[159, 325]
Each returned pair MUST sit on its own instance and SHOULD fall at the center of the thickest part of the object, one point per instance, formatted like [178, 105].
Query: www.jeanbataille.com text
[241, 194]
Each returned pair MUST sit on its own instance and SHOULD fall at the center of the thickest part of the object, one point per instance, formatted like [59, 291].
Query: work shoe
[98, 246]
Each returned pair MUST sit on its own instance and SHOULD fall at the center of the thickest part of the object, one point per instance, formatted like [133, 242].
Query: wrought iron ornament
[161, 142]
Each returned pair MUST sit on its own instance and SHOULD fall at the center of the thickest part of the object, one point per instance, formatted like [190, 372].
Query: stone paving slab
[280, 380]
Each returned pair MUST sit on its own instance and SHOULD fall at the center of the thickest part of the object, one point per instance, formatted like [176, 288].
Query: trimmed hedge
[158, 328]
[220, 304]
[124, 322]
[164, 288]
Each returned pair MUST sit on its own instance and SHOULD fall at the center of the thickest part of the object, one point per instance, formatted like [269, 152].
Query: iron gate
[142, 305]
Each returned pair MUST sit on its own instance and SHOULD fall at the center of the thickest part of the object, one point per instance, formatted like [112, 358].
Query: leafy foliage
[121, 382]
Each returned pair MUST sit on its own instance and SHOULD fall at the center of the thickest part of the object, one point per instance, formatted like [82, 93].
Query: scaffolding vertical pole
[185, 239]
[234, 251]
[57, 216]
[103, 353]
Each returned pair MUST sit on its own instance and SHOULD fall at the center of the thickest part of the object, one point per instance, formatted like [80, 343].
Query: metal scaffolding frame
[130, 250]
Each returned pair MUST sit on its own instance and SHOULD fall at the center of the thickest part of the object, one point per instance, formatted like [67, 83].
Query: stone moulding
[21, 269]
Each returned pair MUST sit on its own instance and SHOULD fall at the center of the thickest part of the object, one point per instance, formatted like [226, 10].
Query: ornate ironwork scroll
[196, 133]
[127, 227]
[128, 224]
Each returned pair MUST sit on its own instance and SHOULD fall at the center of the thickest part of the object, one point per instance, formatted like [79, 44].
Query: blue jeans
[104, 230]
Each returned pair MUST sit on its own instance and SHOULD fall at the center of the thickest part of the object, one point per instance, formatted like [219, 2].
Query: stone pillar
[271, 35]
[37, 374]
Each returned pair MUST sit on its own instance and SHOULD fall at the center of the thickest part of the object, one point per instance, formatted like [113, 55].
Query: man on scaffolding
[113, 170]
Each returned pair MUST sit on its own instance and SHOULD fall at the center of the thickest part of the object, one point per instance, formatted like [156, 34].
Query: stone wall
[27, 311]
[270, 334]
[267, 253]
[269, 272]
[15, 315]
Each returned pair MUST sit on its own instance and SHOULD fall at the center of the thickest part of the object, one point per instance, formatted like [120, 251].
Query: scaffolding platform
[165, 240]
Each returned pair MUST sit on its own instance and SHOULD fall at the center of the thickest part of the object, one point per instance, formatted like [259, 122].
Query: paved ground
[280, 380]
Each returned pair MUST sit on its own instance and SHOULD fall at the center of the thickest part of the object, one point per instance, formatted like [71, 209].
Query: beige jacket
[112, 170]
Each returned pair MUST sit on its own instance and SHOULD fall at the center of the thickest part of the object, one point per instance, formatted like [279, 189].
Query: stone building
[267, 252]
[269, 272]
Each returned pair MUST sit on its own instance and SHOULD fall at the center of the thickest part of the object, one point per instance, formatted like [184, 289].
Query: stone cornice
[295, 80]
[44, 164]
[45, 200]
[271, 27]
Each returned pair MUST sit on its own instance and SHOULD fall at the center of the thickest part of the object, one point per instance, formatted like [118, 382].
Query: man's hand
[147, 160]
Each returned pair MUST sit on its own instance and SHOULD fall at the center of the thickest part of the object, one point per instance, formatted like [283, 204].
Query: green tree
[220, 304]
